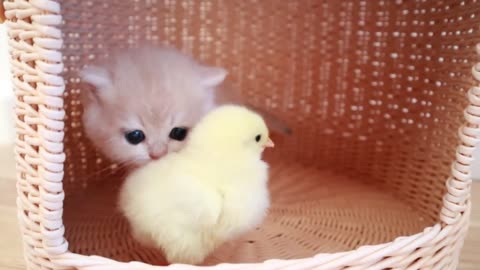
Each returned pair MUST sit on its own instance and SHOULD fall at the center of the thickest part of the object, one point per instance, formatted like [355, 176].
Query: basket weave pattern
[376, 176]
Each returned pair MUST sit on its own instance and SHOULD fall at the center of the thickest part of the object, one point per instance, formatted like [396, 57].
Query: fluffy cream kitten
[143, 101]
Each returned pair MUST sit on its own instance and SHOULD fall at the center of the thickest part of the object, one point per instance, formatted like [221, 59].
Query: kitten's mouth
[141, 162]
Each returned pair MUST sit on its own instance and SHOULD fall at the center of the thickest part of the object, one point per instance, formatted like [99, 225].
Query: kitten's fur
[150, 89]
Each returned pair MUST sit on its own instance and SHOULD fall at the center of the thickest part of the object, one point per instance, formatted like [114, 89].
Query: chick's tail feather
[187, 248]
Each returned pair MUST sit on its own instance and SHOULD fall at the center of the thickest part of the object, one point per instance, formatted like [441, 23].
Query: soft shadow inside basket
[372, 89]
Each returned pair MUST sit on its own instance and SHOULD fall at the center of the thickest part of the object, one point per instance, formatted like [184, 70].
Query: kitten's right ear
[97, 77]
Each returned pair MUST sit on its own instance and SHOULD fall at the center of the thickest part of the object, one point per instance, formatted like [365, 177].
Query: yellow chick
[213, 190]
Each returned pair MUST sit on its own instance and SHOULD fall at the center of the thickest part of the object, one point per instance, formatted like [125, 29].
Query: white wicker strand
[44, 165]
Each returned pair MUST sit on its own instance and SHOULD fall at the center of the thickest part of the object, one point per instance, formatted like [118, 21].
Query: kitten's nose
[157, 154]
[154, 156]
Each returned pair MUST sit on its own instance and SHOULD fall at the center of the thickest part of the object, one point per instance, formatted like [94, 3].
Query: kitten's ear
[273, 122]
[212, 76]
[97, 77]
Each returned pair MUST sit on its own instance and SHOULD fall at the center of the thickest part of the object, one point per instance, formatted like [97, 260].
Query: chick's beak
[269, 143]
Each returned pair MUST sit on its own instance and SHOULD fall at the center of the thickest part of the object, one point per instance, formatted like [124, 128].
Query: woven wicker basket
[377, 173]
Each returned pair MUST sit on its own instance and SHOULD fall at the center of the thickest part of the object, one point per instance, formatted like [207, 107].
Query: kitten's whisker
[120, 165]
[115, 170]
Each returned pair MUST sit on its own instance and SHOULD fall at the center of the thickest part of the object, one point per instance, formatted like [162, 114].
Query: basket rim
[430, 239]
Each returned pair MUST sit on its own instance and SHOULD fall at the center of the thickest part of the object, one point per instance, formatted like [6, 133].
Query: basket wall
[373, 89]
[370, 87]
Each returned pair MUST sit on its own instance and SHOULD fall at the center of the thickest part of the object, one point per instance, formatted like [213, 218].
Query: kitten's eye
[135, 137]
[258, 138]
[178, 133]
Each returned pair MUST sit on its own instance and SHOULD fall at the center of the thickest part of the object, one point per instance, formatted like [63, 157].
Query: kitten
[143, 102]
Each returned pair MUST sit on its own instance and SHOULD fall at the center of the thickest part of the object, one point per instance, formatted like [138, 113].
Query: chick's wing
[195, 203]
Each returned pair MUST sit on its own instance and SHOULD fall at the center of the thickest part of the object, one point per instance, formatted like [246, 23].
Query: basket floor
[312, 211]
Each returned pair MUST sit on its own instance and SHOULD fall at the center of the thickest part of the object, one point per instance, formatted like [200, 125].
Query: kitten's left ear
[212, 76]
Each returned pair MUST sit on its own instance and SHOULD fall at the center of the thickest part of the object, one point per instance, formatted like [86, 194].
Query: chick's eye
[258, 138]
[135, 137]
[178, 133]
